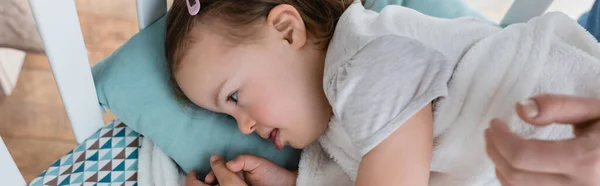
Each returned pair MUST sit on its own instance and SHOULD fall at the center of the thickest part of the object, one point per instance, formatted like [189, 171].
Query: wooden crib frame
[59, 28]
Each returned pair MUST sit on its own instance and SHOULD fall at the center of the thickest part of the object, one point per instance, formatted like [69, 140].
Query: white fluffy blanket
[549, 54]
[155, 168]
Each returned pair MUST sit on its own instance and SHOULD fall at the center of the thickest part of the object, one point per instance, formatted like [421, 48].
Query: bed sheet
[108, 157]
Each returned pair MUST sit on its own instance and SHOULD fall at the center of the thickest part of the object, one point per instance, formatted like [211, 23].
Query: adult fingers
[531, 155]
[211, 179]
[506, 181]
[546, 109]
[241, 175]
[509, 175]
[191, 180]
[222, 173]
[501, 178]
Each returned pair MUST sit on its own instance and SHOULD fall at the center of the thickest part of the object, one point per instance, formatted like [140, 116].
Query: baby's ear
[288, 24]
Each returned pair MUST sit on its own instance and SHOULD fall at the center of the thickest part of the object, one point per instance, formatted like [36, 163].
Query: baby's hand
[223, 174]
[258, 171]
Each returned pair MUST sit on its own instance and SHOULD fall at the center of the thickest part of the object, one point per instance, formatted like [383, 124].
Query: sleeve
[383, 85]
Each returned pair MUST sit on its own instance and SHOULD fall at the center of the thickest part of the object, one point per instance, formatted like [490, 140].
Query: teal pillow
[133, 84]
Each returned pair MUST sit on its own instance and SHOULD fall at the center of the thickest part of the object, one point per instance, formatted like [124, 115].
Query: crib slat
[149, 11]
[61, 35]
[10, 174]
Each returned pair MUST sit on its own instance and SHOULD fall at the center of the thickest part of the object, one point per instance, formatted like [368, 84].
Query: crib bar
[9, 173]
[61, 35]
[523, 10]
[149, 11]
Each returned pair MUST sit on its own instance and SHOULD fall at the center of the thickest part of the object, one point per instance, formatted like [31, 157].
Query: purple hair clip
[193, 9]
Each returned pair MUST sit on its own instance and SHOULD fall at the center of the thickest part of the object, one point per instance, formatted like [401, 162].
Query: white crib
[59, 28]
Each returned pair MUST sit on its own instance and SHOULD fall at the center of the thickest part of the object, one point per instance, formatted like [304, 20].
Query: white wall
[10, 66]
[496, 9]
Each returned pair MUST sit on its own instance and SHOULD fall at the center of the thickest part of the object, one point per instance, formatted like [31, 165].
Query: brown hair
[320, 18]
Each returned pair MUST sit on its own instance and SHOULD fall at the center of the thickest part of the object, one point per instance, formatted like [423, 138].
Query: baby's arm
[404, 157]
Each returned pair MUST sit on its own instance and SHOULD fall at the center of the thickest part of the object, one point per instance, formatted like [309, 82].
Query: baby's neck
[318, 67]
[316, 54]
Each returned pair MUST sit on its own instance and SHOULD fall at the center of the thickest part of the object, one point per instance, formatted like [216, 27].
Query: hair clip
[193, 9]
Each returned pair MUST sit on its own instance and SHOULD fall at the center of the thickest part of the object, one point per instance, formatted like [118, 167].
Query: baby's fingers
[246, 163]
[210, 178]
[191, 180]
[223, 174]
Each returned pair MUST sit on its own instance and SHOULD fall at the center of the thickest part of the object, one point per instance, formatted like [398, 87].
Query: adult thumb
[548, 108]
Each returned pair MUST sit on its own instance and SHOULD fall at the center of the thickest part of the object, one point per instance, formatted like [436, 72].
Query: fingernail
[530, 107]
[214, 158]
[208, 178]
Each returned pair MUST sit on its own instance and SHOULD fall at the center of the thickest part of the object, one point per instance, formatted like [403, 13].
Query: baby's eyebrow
[217, 92]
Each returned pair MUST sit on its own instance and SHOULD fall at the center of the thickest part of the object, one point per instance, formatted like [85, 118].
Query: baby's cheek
[271, 106]
[267, 115]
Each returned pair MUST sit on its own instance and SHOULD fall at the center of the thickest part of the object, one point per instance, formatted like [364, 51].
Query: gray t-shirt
[384, 84]
[379, 72]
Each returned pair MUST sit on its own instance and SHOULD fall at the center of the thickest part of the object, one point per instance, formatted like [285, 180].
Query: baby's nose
[246, 124]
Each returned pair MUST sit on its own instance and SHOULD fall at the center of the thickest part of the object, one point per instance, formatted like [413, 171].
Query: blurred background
[33, 122]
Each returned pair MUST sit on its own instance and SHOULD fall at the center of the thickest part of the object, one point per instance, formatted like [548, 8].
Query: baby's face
[269, 87]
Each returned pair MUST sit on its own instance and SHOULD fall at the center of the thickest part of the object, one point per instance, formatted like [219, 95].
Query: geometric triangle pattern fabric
[121, 133]
[134, 143]
[119, 142]
[107, 167]
[108, 157]
[94, 156]
[107, 145]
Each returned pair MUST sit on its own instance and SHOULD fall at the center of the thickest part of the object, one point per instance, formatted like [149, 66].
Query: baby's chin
[300, 141]
[300, 145]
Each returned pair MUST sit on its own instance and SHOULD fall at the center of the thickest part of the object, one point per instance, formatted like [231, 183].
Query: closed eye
[233, 97]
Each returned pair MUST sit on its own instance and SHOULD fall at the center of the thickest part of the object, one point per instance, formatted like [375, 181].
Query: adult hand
[258, 171]
[224, 175]
[576, 161]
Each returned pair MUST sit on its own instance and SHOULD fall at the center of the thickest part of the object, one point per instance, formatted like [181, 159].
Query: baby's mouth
[274, 137]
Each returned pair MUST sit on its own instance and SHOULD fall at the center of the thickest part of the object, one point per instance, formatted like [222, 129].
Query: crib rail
[10, 175]
[149, 11]
[61, 35]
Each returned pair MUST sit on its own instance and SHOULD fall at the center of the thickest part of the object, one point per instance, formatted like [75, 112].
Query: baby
[389, 96]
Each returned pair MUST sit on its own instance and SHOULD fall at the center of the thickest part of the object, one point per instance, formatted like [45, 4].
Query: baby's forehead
[206, 41]
[199, 80]
[203, 64]
[204, 48]
[213, 33]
